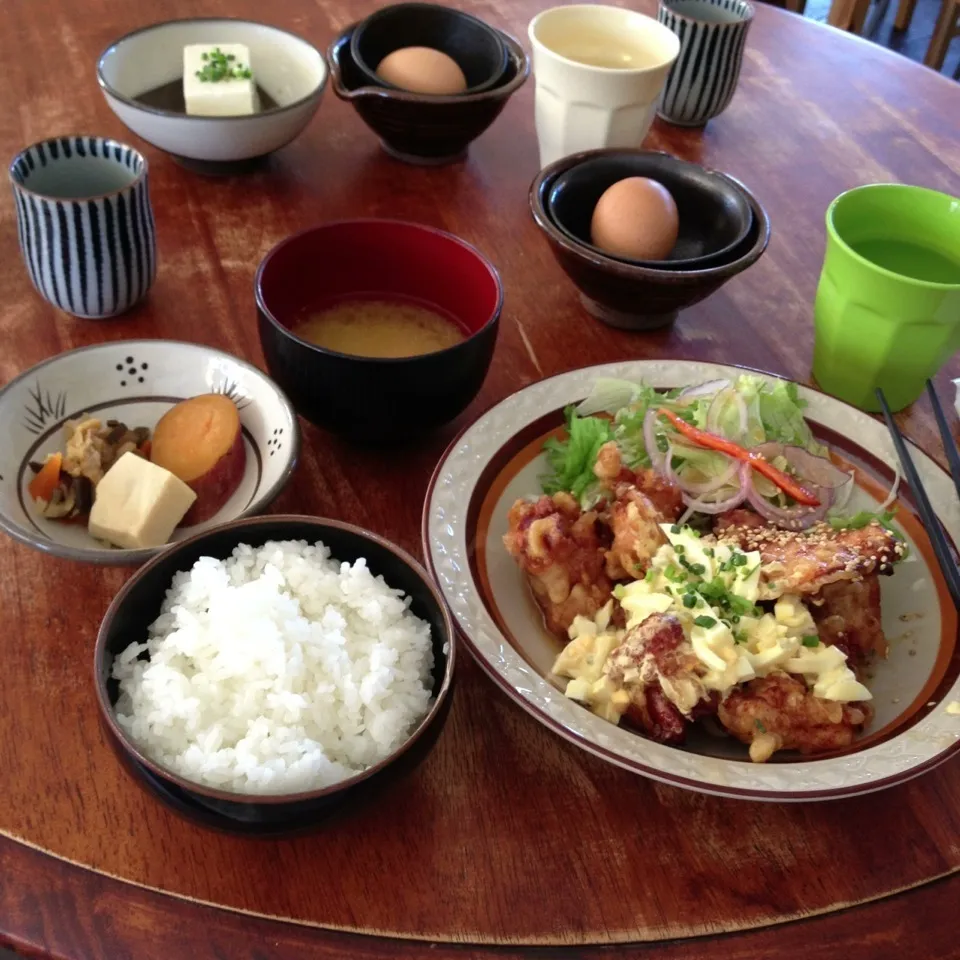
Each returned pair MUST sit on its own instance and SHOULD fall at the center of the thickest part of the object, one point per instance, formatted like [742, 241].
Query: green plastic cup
[887, 312]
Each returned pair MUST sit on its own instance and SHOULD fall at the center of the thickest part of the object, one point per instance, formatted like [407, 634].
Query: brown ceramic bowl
[419, 128]
[138, 604]
[630, 295]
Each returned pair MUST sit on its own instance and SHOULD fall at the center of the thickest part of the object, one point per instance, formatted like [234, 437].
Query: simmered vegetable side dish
[133, 489]
[63, 485]
[692, 550]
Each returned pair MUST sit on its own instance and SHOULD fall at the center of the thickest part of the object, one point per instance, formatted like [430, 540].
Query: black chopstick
[930, 521]
[949, 447]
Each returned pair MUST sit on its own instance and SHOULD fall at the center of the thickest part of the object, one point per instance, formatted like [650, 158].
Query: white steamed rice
[278, 670]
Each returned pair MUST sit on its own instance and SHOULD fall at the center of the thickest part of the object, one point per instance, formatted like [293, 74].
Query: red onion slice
[702, 390]
[699, 505]
[657, 459]
[809, 469]
[842, 494]
[797, 517]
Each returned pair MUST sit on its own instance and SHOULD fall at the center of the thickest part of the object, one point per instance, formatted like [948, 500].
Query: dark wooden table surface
[507, 842]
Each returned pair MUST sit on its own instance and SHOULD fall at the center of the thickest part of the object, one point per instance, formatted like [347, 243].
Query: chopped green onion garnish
[738, 559]
[698, 569]
[811, 641]
[689, 600]
[221, 66]
[705, 622]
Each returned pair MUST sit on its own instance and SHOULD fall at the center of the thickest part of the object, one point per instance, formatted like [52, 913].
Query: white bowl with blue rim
[140, 74]
[136, 382]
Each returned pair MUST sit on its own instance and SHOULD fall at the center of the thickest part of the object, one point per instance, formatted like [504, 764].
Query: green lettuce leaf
[571, 460]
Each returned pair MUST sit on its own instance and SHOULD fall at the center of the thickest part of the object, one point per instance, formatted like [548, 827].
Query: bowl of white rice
[258, 674]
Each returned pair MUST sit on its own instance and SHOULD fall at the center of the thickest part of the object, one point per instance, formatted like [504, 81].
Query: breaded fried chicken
[847, 614]
[656, 665]
[563, 552]
[642, 500]
[805, 561]
[778, 712]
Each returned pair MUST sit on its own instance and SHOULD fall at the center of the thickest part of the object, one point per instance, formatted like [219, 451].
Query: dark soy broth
[169, 97]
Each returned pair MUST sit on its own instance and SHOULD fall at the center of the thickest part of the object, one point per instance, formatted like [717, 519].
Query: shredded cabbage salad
[708, 438]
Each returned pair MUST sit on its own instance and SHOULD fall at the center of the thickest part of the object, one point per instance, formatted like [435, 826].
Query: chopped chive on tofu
[650, 575]
[705, 622]
[708, 551]
[698, 569]
[679, 549]
[689, 600]
[676, 528]
[739, 559]
[811, 641]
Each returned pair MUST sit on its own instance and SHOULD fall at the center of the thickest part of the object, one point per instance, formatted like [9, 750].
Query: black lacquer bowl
[138, 605]
[379, 400]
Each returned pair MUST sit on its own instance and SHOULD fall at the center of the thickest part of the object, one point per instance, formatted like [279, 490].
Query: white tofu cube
[222, 93]
[138, 504]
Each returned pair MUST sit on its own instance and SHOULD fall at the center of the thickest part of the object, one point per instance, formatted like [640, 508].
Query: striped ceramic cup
[85, 222]
[703, 79]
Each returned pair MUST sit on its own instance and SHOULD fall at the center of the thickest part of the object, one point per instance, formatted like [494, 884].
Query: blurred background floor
[913, 41]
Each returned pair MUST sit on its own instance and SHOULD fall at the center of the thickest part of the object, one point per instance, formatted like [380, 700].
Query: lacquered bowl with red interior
[376, 399]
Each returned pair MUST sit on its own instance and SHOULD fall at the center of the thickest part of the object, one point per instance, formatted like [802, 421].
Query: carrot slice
[42, 486]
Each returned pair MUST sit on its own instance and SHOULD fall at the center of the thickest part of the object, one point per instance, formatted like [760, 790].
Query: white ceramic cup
[599, 73]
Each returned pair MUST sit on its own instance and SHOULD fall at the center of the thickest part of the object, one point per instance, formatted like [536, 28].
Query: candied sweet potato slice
[200, 441]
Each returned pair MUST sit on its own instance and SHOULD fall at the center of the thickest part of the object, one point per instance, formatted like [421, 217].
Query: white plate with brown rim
[135, 382]
[916, 689]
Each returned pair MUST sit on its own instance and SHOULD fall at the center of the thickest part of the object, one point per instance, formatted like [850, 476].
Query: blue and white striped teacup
[704, 77]
[86, 226]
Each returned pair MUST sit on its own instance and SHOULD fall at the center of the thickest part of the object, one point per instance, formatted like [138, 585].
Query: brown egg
[422, 70]
[636, 219]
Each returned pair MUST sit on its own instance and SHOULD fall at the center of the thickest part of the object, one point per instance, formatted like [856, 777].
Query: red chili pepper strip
[757, 461]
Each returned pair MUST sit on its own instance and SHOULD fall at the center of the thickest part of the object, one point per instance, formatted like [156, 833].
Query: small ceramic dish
[415, 127]
[476, 48]
[628, 295]
[135, 382]
[714, 215]
[370, 399]
[141, 78]
[138, 604]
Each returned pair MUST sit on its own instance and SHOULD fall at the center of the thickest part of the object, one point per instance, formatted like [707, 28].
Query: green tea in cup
[887, 312]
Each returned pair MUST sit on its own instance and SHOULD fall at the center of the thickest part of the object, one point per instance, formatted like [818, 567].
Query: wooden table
[506, 837]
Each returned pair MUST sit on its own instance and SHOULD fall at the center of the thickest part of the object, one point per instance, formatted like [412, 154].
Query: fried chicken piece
[778, 712]
[664, 494]
[739, 519]
[656, 666]
[805, 561]
[847, 614]
[562, 551]
[642, 501]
